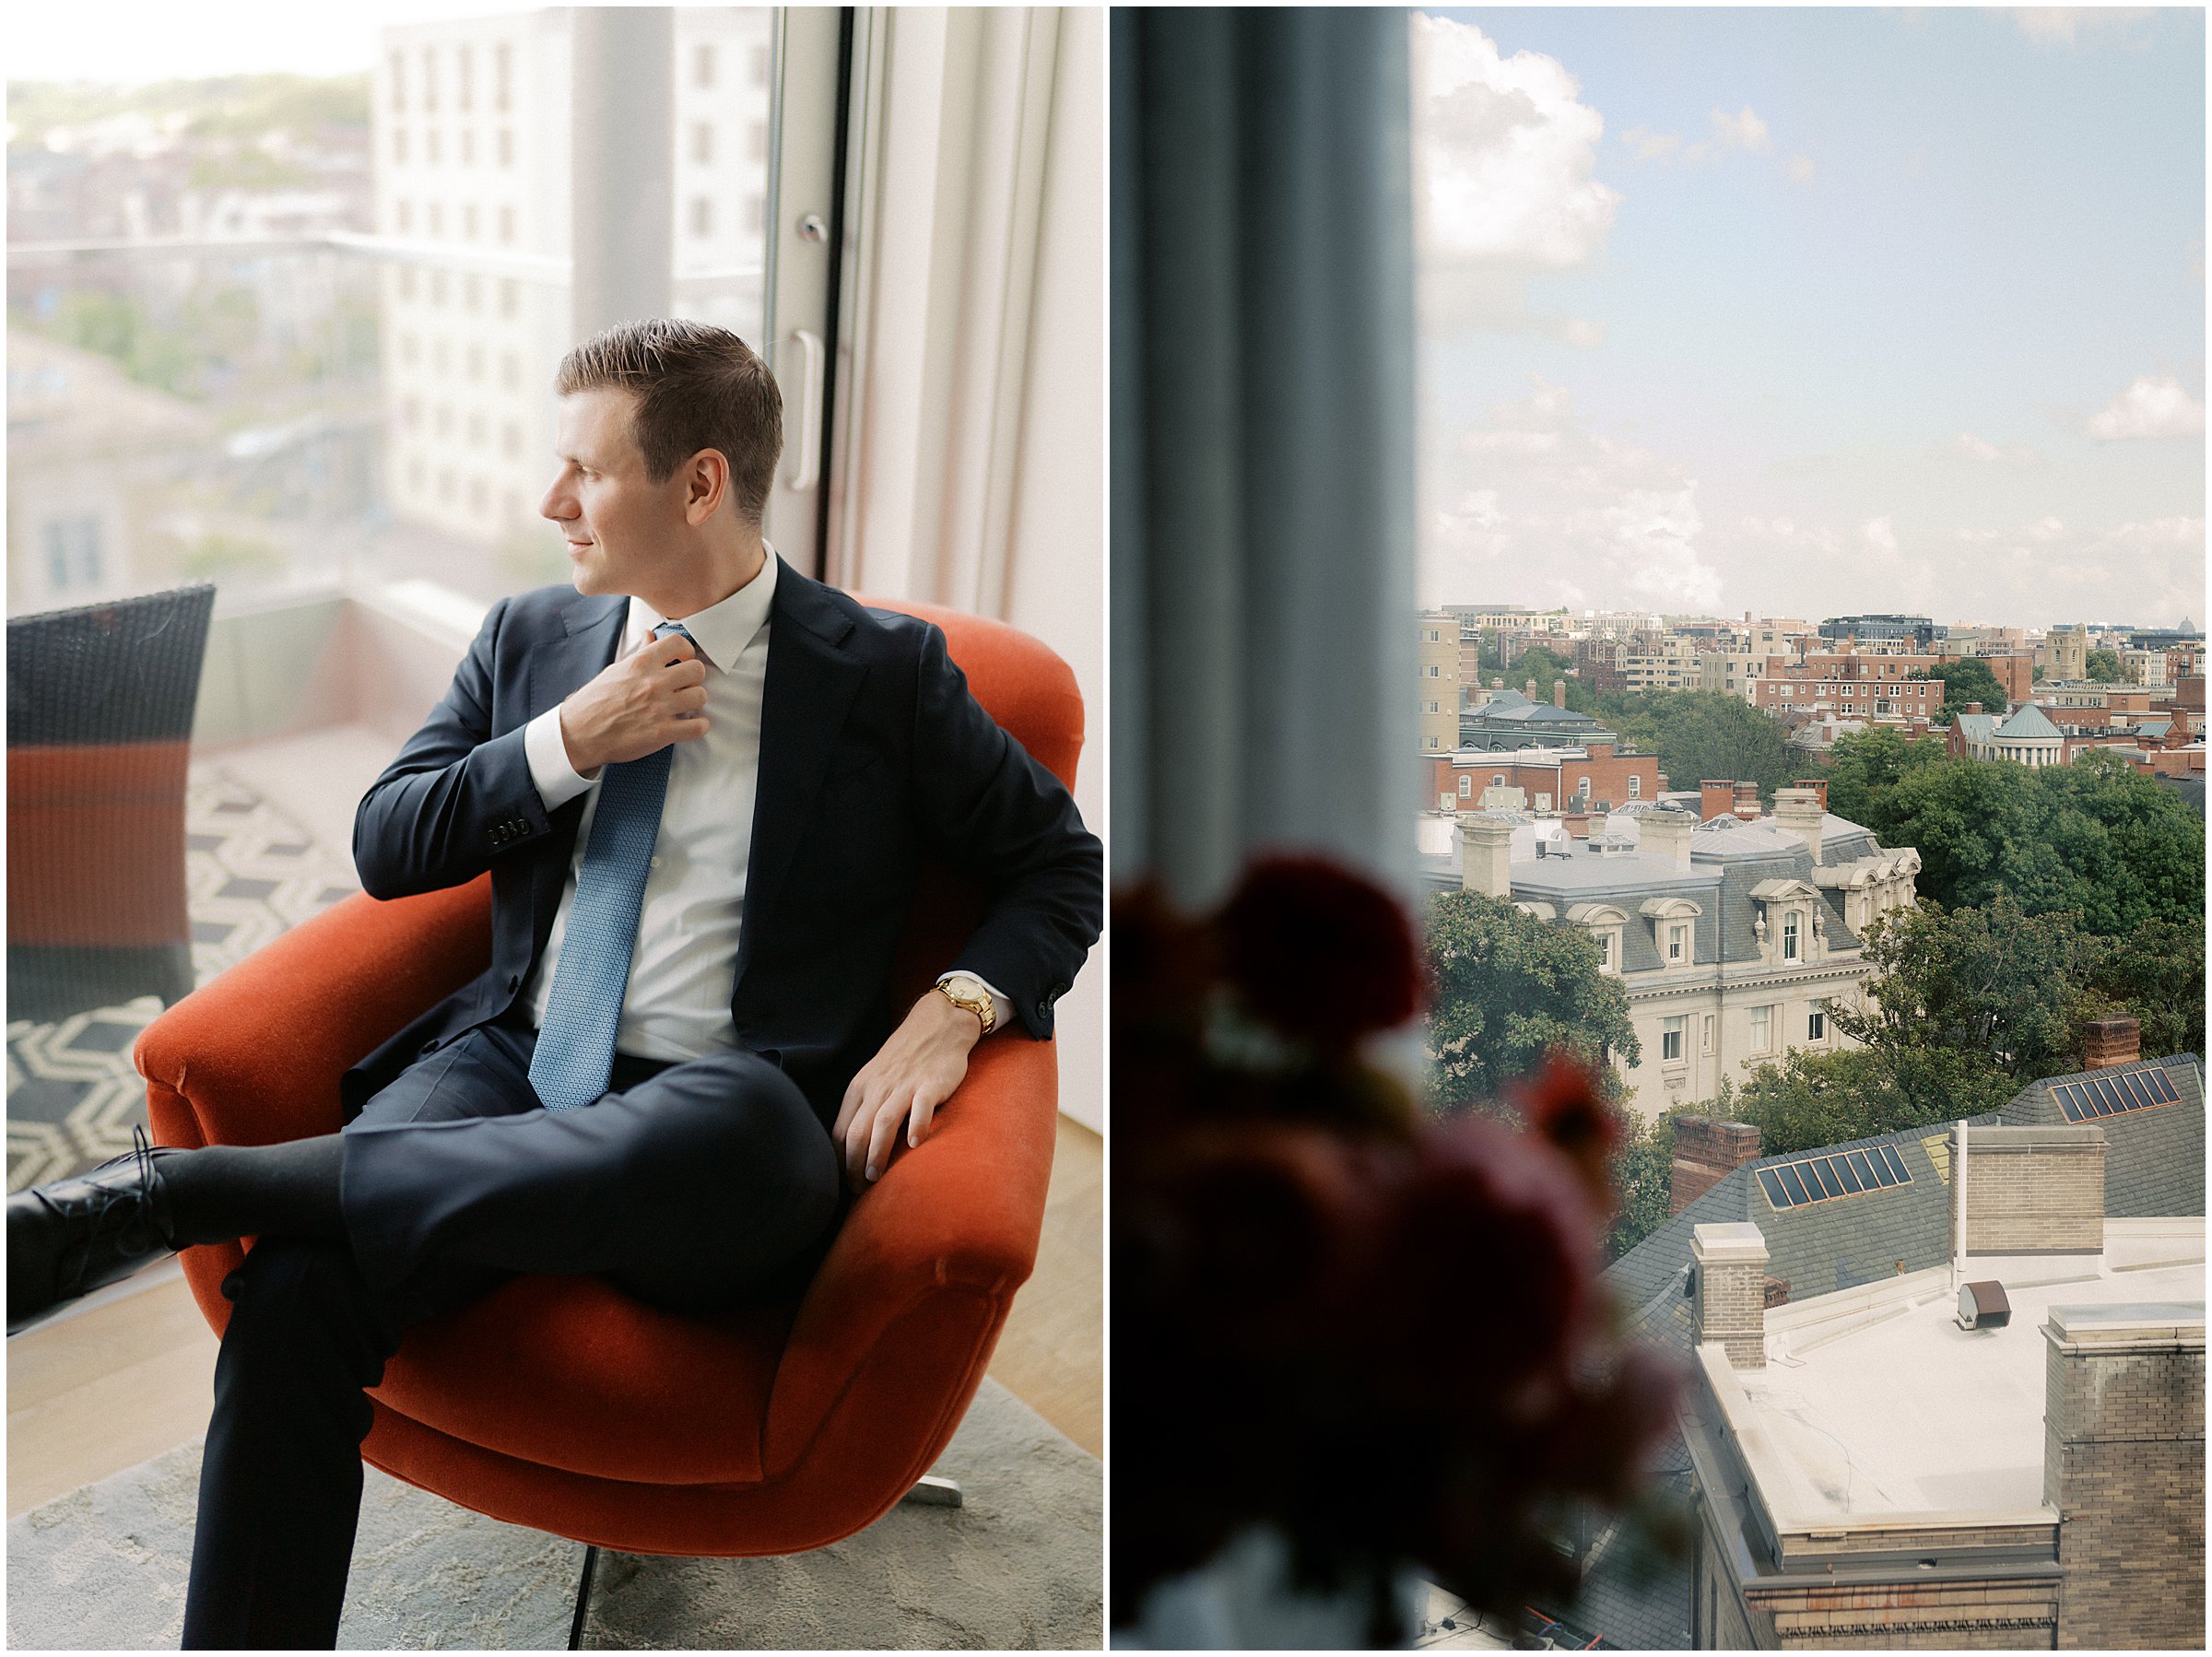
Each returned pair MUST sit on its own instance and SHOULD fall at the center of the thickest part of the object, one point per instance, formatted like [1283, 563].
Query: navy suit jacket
[873, 758]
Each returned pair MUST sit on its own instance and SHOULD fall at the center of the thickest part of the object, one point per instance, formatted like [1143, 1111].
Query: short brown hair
[697, 387]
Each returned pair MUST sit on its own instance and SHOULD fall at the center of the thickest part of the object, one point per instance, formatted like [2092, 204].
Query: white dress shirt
[684, 968]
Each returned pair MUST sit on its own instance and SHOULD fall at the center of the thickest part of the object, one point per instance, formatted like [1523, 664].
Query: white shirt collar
[721, 631]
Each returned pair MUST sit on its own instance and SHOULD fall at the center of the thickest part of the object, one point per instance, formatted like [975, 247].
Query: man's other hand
[638, 705]
[904, 1085]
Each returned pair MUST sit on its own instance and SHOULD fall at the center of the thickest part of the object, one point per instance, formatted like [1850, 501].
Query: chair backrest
[125, 672]
[1031, 693]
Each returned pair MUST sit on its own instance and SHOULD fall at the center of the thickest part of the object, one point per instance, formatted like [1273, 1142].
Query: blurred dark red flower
[1321, 953]
[1564, 1104]
[1164, 962]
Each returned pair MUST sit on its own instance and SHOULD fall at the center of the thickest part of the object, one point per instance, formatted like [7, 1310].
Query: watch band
[976, 1000]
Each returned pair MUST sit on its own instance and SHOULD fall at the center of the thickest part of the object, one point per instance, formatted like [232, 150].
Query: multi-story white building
[1437, 654]
[1734, 938]
[471, 141]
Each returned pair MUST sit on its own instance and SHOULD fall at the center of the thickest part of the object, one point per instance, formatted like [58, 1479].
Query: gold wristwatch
[966, 992]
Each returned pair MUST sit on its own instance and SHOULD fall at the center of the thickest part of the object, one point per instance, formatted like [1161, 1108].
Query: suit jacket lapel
[810, 689]
[593, 632]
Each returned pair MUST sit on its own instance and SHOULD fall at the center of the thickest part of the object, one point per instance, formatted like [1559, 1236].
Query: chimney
[2123, 1467]
[1559, 693]
[1974, 707]
[1798, 811]
[2111, 1041]
[1707, 1151]
[1728, 1278]
[1485, 853]
[2032, 1190]
[1715, 800]
[1532, 690]
[1818, 785]
[1665, 834]
[1746, 800]
[1578, 824]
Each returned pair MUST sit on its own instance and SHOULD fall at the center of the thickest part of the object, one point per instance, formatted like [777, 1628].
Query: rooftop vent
[1984, 1306]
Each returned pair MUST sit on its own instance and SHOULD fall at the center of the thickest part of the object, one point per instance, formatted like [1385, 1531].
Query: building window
[1432, 742]
[1605, 952]
[429, 78]
[1498, 779]
[1434, 670]
[402, 216]
[702, 65]
[511, 442]
[464, 83]
[1705, 1034]
[1635, 787]
[1815, 1022]
[406, 281]
[475, 362]
[436, 218]
[468, 223]
[1789, 936]
[1677, 943]
[438, 289]
[760, 65]
[510, 370]
[502, 74]
[399, 145]
[1467, 788]
[472, 293]
[1582, 786]
[702, 215]
[506, 224]
[702, 142]
[468, 146]
[1762, 1029]
[1670, 1040]
[506, 148]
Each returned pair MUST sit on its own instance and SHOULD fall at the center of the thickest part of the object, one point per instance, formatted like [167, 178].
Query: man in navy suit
[704, 785]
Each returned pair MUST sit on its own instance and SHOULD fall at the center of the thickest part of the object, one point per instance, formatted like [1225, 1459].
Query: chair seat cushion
[572, 1373]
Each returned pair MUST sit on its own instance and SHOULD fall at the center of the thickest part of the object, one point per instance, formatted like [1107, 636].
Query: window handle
[806, 464]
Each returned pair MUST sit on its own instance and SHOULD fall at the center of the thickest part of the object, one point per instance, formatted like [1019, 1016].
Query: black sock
[230, 1191]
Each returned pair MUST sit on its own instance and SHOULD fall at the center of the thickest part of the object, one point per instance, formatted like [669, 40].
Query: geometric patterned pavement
[250, 874]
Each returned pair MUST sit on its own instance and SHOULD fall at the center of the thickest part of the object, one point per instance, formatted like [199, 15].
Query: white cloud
[1645, 145]
[1542, 507]
[2063, 24]
[1504, 150]
[1800, 168]
[1743, 130]
[2152, 407]
[1973, 447]
[1746, 130]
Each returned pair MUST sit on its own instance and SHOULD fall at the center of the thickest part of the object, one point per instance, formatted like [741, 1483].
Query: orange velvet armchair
[560, 1403]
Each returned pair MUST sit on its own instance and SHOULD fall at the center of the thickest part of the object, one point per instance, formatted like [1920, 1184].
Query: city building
[1918, 1428]
[470, 141]
[1876, 687]
[1514, 719]
[1437, 657]
[1733, 673]
[1573, 779]
[2025, 736]
[1732, 938]
[2143, 666]
[1885, 634]
[2092, 706]
[2065, 654]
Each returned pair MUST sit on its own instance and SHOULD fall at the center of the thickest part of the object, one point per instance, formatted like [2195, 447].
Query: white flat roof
[1875, 1404]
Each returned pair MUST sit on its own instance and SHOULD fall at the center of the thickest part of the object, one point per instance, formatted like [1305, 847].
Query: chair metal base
[929, 1491]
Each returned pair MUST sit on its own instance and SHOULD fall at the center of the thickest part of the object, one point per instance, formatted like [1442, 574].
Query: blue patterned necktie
[575, 1051]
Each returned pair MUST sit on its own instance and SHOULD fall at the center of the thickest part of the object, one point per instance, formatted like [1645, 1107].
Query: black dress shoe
[76, 1235]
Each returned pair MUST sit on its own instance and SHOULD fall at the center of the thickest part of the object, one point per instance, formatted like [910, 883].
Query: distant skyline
[1814, 312]
[134, 42]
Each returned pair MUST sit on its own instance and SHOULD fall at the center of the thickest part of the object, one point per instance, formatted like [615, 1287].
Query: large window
[282, 332]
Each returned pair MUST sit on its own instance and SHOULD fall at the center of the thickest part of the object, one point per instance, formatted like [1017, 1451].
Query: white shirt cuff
[1002, 1010]
[555, 779]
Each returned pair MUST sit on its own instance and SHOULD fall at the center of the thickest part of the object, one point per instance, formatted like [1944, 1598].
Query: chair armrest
[254, 1057]
[961, 1211]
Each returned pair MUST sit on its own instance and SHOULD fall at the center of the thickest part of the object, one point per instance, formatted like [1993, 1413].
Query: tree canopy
[2102, 666]
[2097, 837]
[1701, 733]
[1813, 1099]
[1966, 679]
[1867, 764]
[1544, 666]
[1506, 989]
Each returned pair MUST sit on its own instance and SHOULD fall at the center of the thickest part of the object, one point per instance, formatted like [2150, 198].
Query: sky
[1814, 312]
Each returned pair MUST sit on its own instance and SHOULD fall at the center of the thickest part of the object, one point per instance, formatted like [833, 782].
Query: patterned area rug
[1021, 1566]
[251, 873]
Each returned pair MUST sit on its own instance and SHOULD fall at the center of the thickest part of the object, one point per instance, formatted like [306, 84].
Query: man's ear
[706, 485]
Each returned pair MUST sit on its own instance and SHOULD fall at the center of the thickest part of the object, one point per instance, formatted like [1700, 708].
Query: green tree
[1867, 764]
[1997, 983]
[1814, 1099]
[2035, 676]
[2156, 975]
[1506, 989]
[1966, 679]
[2102, 666]
[1700, 734]
[1544, 666]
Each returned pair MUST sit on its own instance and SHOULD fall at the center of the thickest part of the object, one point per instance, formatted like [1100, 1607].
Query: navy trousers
[690, 1186]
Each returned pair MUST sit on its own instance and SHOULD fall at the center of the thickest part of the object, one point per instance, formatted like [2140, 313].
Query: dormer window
[1677, 945]
[1789, 936]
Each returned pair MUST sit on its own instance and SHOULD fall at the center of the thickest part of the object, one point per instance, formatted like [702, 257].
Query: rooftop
[1894, 1409]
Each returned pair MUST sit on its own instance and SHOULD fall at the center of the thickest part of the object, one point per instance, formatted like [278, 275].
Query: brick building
[1865, 686]
[1550, 778]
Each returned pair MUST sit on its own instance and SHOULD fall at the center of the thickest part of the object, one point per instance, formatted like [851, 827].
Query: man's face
[624, 531]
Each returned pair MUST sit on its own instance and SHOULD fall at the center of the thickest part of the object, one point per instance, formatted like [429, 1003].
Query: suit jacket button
[427, 1049]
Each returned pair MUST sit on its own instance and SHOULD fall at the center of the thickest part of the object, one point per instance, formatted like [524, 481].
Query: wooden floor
[118, 1381]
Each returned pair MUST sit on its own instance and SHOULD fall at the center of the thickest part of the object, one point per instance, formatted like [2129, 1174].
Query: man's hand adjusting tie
[637, 705]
